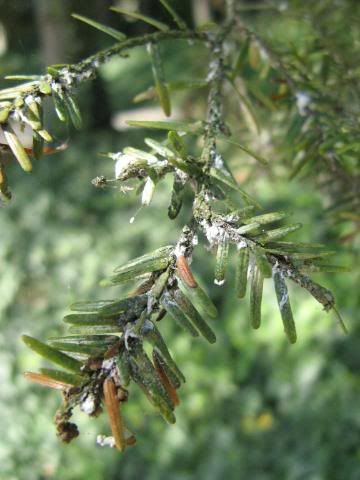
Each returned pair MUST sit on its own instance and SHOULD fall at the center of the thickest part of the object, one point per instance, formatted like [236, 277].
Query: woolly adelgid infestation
[104, 349]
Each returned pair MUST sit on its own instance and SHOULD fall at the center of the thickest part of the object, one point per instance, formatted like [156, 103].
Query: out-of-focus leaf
[317, 268]
[226, 180]
[158, 73]
[247, 150]
[240, 59]
[188, 127]
[99, 26]
[175, 16]
[151, 21]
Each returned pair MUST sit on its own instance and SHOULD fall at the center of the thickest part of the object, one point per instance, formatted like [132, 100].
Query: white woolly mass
[88, 406]
[67, 76]
[29, 99]
[122, 163]
[55, 86]
[263, 53]
[148, 191]
[241, 244]
[232, 217]
[218, 162]
[107, 364]
[22, 130]
[105, 441]
[129, 333]
[212, 70]
[213, 233]
[302, 102]
[179, 250]
[276, 268]
[219, 282]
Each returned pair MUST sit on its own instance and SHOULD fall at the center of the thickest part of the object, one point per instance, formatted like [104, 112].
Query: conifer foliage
[111, 343]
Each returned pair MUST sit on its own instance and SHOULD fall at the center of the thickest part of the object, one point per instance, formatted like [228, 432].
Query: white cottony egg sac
[122, 164]
[148, 191]
[21, 130]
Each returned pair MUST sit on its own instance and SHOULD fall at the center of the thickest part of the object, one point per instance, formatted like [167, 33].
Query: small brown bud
[113, 409]
[184, 272]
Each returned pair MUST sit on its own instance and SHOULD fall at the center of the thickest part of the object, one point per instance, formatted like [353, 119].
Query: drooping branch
[109, 337]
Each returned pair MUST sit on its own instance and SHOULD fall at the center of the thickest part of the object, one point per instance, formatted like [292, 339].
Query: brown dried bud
[67, 431]
[46, 381]
[165, 380]
[184, 272]
[113, 409]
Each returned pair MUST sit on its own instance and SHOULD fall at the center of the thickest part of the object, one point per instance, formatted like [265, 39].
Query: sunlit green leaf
[51, 354]
[17, 148]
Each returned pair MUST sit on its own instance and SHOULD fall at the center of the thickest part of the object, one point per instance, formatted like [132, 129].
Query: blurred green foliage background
[253, 407]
